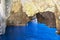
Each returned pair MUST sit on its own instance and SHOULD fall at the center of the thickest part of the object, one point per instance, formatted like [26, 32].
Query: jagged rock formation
[17, 16]
[47, 18]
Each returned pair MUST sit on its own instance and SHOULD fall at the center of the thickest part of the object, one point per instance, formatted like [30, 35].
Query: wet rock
[46, 17]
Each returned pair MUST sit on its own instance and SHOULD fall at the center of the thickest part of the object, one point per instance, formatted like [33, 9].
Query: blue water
[32, 31]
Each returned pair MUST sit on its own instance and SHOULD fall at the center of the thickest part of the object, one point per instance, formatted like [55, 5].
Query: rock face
[18, 19]
[2, 17]
[31, 7]
[17, 16]
[57, 16]
[47, 18]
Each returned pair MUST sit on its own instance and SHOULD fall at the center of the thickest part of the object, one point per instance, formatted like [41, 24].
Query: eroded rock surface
[17, 16]
[47, 18]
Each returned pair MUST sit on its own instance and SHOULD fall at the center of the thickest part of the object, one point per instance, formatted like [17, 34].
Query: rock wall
[17, 16]
[31, 7]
